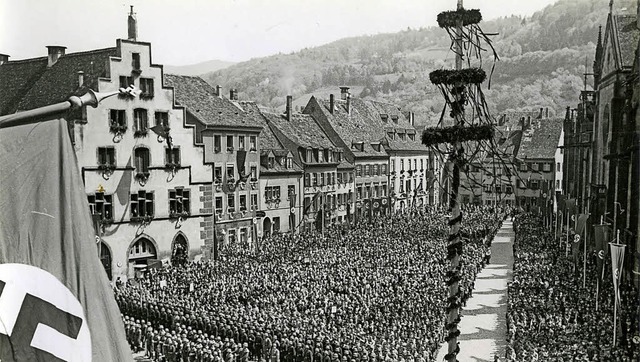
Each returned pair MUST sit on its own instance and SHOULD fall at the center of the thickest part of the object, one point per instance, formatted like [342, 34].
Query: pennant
[617, 261]
[241, 156]
[55, 300]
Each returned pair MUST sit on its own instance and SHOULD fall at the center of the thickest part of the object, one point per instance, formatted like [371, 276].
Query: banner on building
[55, 300]
[582, 222]
[241, 156]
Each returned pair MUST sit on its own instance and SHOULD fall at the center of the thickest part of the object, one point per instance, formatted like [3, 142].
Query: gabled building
[145, 193]
[382, 141]
[536, 161]
[280, 181]
[362, 141]
[327, 198]
[229, 139]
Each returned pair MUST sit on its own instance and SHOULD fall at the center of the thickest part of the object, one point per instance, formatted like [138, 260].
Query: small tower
[132, 24]
[597, 63]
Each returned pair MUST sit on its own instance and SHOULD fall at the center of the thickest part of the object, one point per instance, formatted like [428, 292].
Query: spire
[597, 63]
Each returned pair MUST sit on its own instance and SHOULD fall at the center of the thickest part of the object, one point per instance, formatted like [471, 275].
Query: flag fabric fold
[617, 261]
[601, 236]
[55, 300]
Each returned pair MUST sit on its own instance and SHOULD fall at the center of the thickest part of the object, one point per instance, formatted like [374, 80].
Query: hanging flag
[617, 261]
[55, 300]
[241, 156]
[582, 222]
[601, 235]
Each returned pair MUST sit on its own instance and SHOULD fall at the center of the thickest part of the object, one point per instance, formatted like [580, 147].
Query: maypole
[460, 88]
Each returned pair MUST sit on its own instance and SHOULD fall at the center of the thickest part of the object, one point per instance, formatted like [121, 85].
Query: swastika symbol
[41, 319]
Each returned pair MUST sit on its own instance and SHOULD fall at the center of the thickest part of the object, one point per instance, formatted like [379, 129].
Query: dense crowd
[374, 292]
[551, 317]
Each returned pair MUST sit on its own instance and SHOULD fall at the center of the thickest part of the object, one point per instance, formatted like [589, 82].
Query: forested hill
[542, 59]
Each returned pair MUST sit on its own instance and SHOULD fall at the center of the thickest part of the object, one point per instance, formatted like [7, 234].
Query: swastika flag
[55, 300]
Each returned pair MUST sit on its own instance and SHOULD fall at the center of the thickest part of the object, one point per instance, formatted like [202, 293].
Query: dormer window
[412, 137]
[320, 156]
[330, 156]
[401, 135]
[289, 162]
[309, 156]
[384, 116]
[271, 161]
[376, 146]
[390, 134]
[394, 118]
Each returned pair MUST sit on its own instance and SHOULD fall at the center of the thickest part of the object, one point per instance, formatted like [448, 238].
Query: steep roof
[540, 139]
[628, 35]
[29, 84]
[268, 140]
[302, 130]
[16, 78]
[202, 102]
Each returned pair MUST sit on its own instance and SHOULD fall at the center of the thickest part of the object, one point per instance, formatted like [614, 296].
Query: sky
[184, 32]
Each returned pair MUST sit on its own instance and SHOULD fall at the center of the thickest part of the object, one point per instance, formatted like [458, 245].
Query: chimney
[219, 91]
[289, 108]
[528, 121]
[546, 112]
[80, 78]
[54, 52]
[348, 104]
[233, 94]
[132, 25]
[344, 91]
[3, 58]
[412, 118]
[332, 103]
[522, 122]
[541, 112]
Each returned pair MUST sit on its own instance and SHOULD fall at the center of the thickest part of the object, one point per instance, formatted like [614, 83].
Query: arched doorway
[105, 258]
[141, 251]
[180, 250]
[266, 227]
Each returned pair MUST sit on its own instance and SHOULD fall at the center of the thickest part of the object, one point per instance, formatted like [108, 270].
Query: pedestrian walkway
[483, 329]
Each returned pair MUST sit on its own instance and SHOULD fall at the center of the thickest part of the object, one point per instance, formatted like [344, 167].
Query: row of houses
[184, 170]
[523, 168]
[603, 133]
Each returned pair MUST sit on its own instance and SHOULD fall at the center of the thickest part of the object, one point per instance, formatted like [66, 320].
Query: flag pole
[90, 98]
[566, 250]
[584, 268]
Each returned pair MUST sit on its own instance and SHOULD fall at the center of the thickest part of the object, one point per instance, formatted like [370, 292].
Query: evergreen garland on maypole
[460, 88]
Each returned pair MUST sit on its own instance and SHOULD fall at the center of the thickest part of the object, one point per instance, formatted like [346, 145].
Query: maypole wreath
[460, 88]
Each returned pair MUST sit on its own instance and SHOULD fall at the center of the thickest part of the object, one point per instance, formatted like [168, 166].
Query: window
[162, 119]
[557, 184]
[243, 202]
[421, 164]
[243, 235]
[523, 167]
[307, 180]
[252, 143]
[101, 204]
[401, 135]
[358, 170]
[231, 203]
[254, 173]
[384, 190]
[534, 166]
[117, 120]
[140, 122]
[254, 201]
[320, 156]
[272, 193]
[172, 156]
[546, 167]
[125, 82]
[329, 155]
[289, 162]
[217, 174]
[498, 189]
[106, 156]
[135, 61]
[218, 204]
[390, 134]
[232, 236]
[230, 173]
[276, 224]
[359, 192]
[321, 179]
[412, 137]
[271, 161]
[146, 88]
[291, 192]
[340, 177]
[534, 184]
[229, 143]
[241, 142]
[558, 167]
[179, 202]
[401, 165]
[366, 170]
[508, 189]
[142, 160]
[142, 205]
[384, 169]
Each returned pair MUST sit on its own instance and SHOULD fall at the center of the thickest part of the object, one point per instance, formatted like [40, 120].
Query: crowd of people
[551, 317]
[373, 292]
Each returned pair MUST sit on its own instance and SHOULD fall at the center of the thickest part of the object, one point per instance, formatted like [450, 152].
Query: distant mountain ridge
[198, 68]
[542, 61]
